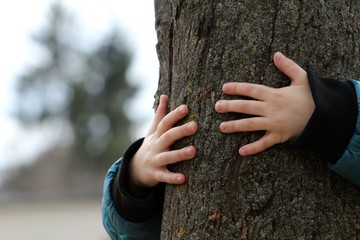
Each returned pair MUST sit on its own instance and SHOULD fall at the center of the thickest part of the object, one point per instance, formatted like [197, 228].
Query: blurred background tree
[78, 96]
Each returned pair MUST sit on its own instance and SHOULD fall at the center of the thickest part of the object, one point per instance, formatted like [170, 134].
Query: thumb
[159, 114]
[289, 68]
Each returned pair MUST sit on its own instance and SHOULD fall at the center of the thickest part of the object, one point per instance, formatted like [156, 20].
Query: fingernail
[189, 151]
[223, 126]
[182, 109]
[178, 179]
[280, 56]
[190, 125]
[225, 87]
[216, 105]
[242, 152]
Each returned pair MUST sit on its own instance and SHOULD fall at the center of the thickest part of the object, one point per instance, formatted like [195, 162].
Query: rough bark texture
[282, 193]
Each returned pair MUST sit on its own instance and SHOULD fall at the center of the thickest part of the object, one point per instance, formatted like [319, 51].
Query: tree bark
[281, 193]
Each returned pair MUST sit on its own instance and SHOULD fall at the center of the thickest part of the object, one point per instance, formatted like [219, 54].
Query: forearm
[124, 215]
[333, 130]
[116, 225]
[348, 165]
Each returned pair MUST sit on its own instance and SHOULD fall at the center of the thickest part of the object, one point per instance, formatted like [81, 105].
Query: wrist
[135, 186]
[333, 121]
[129, 206]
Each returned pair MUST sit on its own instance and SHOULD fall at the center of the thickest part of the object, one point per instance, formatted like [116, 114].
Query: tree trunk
[281, 193]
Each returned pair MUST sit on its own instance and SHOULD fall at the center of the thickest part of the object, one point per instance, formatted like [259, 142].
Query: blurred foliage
[84, 89]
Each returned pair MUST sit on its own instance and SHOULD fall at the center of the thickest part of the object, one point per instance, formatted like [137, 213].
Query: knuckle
[184, 129]
[276, 94]
[190, 128]
[165, 138]
[161, 124]
[250, 123]
[251, 88]
[162, 159]
[246, 105]
[243, 86]
[184, 154]
[180, 154]
[160, 176]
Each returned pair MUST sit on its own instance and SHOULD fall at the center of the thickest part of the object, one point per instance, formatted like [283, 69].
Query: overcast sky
[19, 19]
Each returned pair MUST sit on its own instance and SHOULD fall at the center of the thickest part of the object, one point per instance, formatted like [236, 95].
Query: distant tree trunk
[282, 193]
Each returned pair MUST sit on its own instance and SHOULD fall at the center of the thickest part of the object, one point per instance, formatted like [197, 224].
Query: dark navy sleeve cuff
[132, 208]
[333, 121]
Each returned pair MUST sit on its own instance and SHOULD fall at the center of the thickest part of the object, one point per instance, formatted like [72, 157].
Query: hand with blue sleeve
[134, 189]
[318, 114]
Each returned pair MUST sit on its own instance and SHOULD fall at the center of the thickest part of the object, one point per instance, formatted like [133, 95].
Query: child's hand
[149, 165]
[283, 113]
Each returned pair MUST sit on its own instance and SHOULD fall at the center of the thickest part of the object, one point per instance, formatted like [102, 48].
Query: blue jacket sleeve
[333, 131]
[348, 165]
[118, 227]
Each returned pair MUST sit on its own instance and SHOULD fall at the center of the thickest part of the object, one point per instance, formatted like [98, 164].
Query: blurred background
[77, 80]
